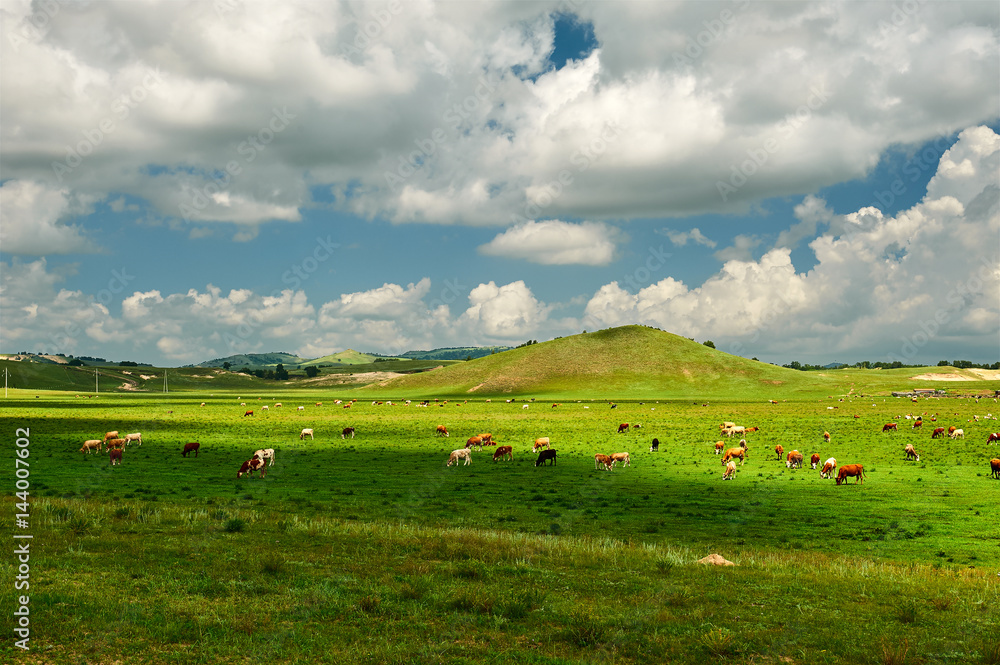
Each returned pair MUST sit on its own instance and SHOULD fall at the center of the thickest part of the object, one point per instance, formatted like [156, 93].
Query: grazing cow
[116, 456]
[191, 448]
[794, 460]
[487, 438]
[958, 434]
[441, 431]
[889, 427]
[719, 445]
[604, 460]
[733, 453]
[301, 408]
[743, 444]
[951, 430]
[319, 403]
[110, 435]
[623, 428]
[917, 423]
[524, 406]
[277, 405]
[938, 431]
[814, 460]
[753, 429]
[248, 413]
[542, 442]
[911, 453]
[346, 431]
[306, 432]
[730, 472]
[848, 470]
[265, 454]
[726, 425]
[995, 436]
[636, 425]
[621, 457]
[92, 444]
[995, 466]
[546, 455]
[264, 408]
[826, 437]
[503, 453]
[116, 443]
[474, 442]
[461, 453]
[136, 436]
[655, 447]
[251, 465]
[739, 429]
[828, 468]
[779, 450]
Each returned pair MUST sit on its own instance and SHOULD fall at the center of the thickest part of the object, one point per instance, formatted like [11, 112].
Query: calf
[779, 450]
[546, 455]
[347, 431]
[911, 453]
[826, 437]
[93, 444]
[655, 447]
[116, 456]
[848, 470]
[191, 448]
[620, 457]
[730, 472]
[828, 468]
[503, 453]
[542, 442]
[938, 431]
[623, 428]
[889, 427]
[306, 432]
[604, 460]
[441, 431]
[995, 467]
[814, 460]
[461, 453]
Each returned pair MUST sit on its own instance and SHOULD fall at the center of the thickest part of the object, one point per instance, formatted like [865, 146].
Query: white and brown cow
[730, 472]
[504, 453]
[461, 453]
[620, 457]
[602, 460]
[265, 454]
[911, 453]
[829, 467]
[542, 442]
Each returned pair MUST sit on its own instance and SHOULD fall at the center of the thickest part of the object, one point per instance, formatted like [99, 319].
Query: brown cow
[889, 427]
[623, 427]
[995, 466]
[503, 453]
[116, 443]
[917, 423]
[951, 430]
[110, 435]
[600, 459]
[848, 470]
[794, 460]
[719, 445]
[779, 450]
[620, 457]
[93, 444]
[116, 456]
[440, 431]
[814, 460]
[542, 442]
[826, 437]
[474, 442]
[911, 453]
[733, 453]
[248, 413]
[347, 431]
[191, 448]
[487, 438]
[730, 472]
[994, 436]
[938, 431]
[546, 455]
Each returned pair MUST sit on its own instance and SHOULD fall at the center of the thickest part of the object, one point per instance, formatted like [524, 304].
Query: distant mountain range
[347, 357]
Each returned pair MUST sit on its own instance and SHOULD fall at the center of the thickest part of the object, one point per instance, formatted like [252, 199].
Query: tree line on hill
[867, 364]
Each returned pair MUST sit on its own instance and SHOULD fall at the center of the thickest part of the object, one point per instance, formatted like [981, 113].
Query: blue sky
[795, 181]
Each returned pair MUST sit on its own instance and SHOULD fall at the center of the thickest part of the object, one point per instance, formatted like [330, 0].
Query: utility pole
[164, 380]
[97, 386]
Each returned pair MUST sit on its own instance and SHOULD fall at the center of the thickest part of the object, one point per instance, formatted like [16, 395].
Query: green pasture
[348, 542]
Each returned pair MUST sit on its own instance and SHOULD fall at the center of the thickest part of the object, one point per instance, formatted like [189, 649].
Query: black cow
[655, 447]
[546, 455]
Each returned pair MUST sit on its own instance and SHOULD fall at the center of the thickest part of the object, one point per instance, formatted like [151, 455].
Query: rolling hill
[256, 360]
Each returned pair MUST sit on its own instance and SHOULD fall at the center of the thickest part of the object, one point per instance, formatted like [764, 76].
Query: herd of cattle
[547, 455]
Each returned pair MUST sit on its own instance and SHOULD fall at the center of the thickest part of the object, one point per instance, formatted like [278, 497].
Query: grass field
[371, 550]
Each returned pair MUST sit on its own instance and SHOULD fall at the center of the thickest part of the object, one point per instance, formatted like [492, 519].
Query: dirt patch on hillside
[364, 378]
[977, 375]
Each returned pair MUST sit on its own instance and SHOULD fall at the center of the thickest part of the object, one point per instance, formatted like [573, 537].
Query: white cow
[461, 453]
[730, 472]
[265, 454]
[306, 432]
[137, 436]
[958, 434]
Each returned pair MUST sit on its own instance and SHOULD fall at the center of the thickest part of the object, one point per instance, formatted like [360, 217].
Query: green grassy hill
[346, 357]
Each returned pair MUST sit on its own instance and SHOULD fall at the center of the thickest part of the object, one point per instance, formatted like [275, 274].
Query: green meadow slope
[626, 362]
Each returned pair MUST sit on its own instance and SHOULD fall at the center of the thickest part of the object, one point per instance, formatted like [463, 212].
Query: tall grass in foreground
[144, 582]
